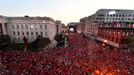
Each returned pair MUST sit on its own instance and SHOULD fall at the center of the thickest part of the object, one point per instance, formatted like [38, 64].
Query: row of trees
[5, 41]
[39, 43]
[60, 38]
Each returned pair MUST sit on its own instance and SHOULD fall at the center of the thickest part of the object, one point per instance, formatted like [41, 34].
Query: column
[3, 28]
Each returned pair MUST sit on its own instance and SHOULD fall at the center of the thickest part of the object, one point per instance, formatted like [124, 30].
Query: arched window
[123, 34]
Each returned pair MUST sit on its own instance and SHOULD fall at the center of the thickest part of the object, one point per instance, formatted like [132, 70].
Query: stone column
[3, 28]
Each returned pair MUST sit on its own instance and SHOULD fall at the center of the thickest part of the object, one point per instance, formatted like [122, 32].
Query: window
[14, 32]
[26, 26]
[45, 33]
[40, 26]
[27, 33]
[122, 41]
[41, 33]
[13, 26]
[129, 18]
[17, 26]
[32, 26]
[36, 33]
[18, 33]
[131, 33]
[116, 15]
[45, 26]
[127, 34]
[22, 27]
[118, 33]
[123, 34]
[116, 40]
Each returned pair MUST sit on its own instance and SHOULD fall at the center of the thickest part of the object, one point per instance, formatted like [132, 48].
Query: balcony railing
[117, 25]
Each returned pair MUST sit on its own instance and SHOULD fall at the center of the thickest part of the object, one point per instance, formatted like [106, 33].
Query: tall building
[58, 26]
[107, 16]
[91, 27]
[81, 25]
[30, 27]
[115, 34]
[118, 15]
[111, 26]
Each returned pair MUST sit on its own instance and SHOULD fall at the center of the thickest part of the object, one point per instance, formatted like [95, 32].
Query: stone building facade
[30, 27]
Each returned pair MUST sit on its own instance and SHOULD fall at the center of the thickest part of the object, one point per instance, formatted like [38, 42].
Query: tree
[131, 43]
[4, 41]
[60, 38]
[40, 42]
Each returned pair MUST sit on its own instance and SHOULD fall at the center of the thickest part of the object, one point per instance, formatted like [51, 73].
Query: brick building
[115, 34]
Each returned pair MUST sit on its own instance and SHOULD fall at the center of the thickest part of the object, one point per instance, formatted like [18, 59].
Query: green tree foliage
[4, 41]
[40, 42]
[60, 38]
[131, 43]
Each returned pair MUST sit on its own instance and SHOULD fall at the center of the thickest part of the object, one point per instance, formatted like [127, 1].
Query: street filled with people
[81, 57]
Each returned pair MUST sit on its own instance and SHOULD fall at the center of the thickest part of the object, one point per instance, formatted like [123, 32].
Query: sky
[64, 10]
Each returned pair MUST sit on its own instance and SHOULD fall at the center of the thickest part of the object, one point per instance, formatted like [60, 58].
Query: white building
[59, 26]
[118, 15]
[30, 27]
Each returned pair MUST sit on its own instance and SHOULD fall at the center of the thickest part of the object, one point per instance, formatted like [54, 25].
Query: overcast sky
[64, 10]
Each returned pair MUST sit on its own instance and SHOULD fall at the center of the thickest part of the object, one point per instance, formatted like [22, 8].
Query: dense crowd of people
[81, 57]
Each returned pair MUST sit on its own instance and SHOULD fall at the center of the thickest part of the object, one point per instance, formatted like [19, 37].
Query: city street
[82, 57]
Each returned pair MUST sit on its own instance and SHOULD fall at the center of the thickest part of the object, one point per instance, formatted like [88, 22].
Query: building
[30, 27]
[81, 25]
[115, 34]
[64, 29]
[118, 15]
[59, 26]
[111, 26]
[107, 16]
[91, 27]
[73, 26]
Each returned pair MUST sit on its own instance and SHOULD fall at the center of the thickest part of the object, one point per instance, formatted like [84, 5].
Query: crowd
[81, 57]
